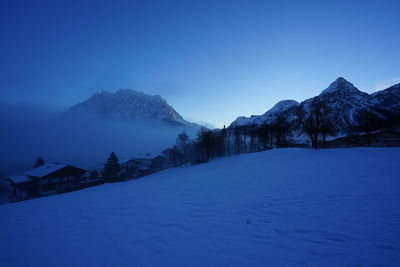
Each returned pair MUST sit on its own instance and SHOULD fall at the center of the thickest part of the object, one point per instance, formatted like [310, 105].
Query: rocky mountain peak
[129, 104]
[340, 85]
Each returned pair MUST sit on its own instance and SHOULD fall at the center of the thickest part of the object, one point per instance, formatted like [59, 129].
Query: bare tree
[237, 140]
[367, 123]
[183, 146]
[280, 129]
[205, 144]
[254, 142]
[173, 156]
[315, 121]
[265, 136]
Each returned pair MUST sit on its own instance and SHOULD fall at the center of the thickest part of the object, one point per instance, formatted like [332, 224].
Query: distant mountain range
[342, 97]
[344, 101]
[127, 104]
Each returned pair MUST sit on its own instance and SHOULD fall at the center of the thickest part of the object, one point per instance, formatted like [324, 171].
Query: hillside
[283, 207]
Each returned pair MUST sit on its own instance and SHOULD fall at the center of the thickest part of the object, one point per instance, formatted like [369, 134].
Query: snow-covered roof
[19, 179]
[44, 170]
[143, 156]
[137, 161]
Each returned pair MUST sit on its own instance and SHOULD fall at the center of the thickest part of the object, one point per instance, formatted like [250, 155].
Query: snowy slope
[267, 117]
[388, 99]
[284, 207]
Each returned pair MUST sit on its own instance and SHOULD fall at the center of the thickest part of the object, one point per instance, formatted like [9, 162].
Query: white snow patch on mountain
[339, 84]
[127, 104]
[268, 116]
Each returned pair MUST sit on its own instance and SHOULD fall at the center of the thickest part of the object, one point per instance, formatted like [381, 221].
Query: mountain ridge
[344, 101]
[128, 104]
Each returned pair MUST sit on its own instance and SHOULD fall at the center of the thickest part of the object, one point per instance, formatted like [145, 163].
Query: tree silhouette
[183, 147]
[280, 129]
[367, 122]
[39, 162]
[111, 168]
[315, 121]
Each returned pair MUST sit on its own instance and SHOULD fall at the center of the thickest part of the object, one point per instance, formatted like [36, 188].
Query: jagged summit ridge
[344, 101]
[129, 104]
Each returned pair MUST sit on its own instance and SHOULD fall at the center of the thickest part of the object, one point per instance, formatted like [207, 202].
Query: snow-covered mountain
[388, 99]
[267, 117]
[126, 122]
[127, 104]
[343, 99]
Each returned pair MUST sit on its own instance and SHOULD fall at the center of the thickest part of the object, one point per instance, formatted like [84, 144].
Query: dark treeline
[312, 121]
[210, 144]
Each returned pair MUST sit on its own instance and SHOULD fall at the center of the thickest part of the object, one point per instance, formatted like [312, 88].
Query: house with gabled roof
[141, 166]
[46, 180]
[55, 178]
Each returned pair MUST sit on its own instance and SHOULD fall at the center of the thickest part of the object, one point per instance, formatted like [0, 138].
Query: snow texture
[44, 170]
[268, 116]
[340, 84]
[128, 104]
[284, 207]
[19, 179]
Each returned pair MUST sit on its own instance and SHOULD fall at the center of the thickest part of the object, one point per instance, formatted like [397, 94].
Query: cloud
[201, 123]
[83, 141]
[386, 84]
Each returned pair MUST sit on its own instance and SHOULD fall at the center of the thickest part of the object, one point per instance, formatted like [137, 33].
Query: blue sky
[211, 60]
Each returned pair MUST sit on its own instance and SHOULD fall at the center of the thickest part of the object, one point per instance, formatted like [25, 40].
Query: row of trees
[314, 120]
[210, 144]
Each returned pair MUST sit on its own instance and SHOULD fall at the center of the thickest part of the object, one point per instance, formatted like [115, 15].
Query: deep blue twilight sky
[211, 60]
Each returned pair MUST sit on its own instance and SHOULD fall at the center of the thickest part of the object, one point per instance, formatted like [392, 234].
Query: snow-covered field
[284, 207]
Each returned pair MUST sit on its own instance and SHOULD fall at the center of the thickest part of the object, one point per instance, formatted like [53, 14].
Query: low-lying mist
[84, 141]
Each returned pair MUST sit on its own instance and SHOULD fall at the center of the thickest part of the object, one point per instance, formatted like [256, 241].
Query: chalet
[90, 179]
[22, 187]
[55, 178]
[135, 167]
[159, 163]
[46, 180]
[141, 166]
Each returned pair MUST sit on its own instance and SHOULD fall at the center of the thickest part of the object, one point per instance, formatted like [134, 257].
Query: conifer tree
[39, 162]
[111, 168]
